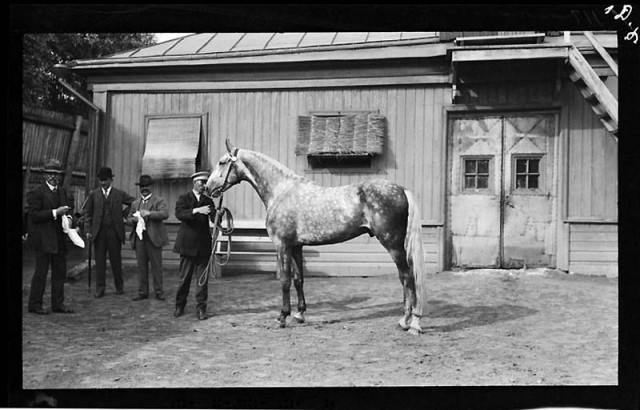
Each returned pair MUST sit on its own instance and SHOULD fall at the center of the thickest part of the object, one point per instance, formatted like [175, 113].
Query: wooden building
[507, 139]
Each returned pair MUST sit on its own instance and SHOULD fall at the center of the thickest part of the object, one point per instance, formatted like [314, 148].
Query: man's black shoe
[39, 311]
[98, 295]
[179, 311]
[140, 297]
[63, 309]
[160, 297]
[202, 314]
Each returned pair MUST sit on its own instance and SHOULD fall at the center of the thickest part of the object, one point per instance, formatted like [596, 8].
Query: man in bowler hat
[47, 203]
[104, 225]
[153, 211]
[193, 243]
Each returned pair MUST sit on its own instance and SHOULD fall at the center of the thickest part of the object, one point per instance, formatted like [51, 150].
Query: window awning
[172, 145]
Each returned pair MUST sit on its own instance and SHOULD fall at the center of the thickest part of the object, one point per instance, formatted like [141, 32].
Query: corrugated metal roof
[209, 43]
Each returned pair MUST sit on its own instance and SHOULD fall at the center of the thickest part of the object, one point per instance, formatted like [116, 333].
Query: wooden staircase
[595, 92]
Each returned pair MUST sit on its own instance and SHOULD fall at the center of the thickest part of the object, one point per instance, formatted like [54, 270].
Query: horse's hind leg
[404, 273]
[284, 267]
[406, 279]
[298, 282]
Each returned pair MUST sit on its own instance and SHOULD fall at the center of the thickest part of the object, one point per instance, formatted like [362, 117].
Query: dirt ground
[483, 328]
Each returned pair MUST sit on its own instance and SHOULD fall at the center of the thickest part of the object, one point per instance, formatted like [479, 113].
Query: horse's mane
[266, 161]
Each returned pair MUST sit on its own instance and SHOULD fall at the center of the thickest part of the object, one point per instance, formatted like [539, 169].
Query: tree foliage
[41, 52]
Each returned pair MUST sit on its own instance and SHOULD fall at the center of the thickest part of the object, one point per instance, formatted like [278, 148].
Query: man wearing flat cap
[148, 237]
[104, 225]
[194, 244]
[47, 203]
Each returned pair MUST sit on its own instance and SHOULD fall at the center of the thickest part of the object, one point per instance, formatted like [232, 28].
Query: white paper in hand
[140, 226]
[71, 232]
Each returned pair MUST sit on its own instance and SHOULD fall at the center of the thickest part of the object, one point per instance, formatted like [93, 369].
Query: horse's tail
[415, 256]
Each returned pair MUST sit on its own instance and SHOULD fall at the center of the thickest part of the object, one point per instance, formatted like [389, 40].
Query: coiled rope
[222, 213]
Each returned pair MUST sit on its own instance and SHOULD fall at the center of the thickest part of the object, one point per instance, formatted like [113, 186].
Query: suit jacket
[45, 233]
[194, 235]
[94, 211]
[158, 212]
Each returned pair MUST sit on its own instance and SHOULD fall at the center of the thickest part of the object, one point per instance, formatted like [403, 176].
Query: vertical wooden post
[92, 146]
[72, 153]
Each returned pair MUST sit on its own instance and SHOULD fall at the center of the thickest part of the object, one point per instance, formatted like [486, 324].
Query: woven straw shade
[351, 134]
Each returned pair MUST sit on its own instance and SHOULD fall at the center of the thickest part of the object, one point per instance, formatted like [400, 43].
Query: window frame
[490, 174]
[541, 189]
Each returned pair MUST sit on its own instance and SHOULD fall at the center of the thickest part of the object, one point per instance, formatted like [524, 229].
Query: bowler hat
[105, 173]
[52, 166]
[145, 180]
[200, 176]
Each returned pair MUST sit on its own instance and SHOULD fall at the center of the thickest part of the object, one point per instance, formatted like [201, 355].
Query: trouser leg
[143, 267]
[100, 255]
[114, 246]
[154, 255]
[39, 280]
[202, 290]
[187, 265]
[58, 276]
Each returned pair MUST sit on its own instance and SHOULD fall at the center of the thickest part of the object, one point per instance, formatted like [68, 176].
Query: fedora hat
[105, 173]
[200, 176]
[52, 166]
[145, 180]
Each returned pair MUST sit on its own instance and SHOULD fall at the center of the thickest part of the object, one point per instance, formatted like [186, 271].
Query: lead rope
[211, 270]
[212, 266]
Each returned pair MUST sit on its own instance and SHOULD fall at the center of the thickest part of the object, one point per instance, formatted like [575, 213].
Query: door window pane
[527, 173]
[476, 173]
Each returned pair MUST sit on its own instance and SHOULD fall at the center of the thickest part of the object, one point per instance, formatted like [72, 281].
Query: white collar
[108, 190]
[196, 194]
[147, 198]
[51, 187]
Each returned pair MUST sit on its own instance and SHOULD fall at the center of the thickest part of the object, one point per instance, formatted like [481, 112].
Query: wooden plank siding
[266, 121]
[592, 162]
[361, 256]
[48, 135]
[593, 249]
[590, 172]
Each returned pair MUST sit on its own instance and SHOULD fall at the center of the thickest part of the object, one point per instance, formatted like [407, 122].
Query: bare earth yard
[483, 328]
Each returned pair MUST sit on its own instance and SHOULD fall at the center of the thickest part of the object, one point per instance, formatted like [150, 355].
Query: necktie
[104, 193]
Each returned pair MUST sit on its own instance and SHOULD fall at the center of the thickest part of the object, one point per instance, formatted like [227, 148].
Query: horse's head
[225, 174]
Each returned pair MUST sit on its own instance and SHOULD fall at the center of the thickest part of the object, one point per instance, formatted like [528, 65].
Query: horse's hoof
[299, 317]
[283, 324]
[414, 327]
[403, 324]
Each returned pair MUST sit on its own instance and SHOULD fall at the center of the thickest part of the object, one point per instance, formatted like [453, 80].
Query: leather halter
[234, 158]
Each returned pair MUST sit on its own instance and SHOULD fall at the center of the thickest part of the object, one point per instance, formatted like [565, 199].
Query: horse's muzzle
[216, 192]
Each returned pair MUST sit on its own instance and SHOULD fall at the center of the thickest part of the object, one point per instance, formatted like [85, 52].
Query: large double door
[503, 191]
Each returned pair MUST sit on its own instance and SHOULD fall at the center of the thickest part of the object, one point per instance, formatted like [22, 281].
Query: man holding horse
[194, 244]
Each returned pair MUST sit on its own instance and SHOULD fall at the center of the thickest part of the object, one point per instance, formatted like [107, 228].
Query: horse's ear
[230, 147]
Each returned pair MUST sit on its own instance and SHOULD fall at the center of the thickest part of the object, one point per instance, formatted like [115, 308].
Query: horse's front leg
[284, 266]
[298, 282]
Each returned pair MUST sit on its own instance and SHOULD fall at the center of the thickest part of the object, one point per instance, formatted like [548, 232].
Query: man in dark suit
[47, 203]
[104, 225]
[193, 243]
[148, 243]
